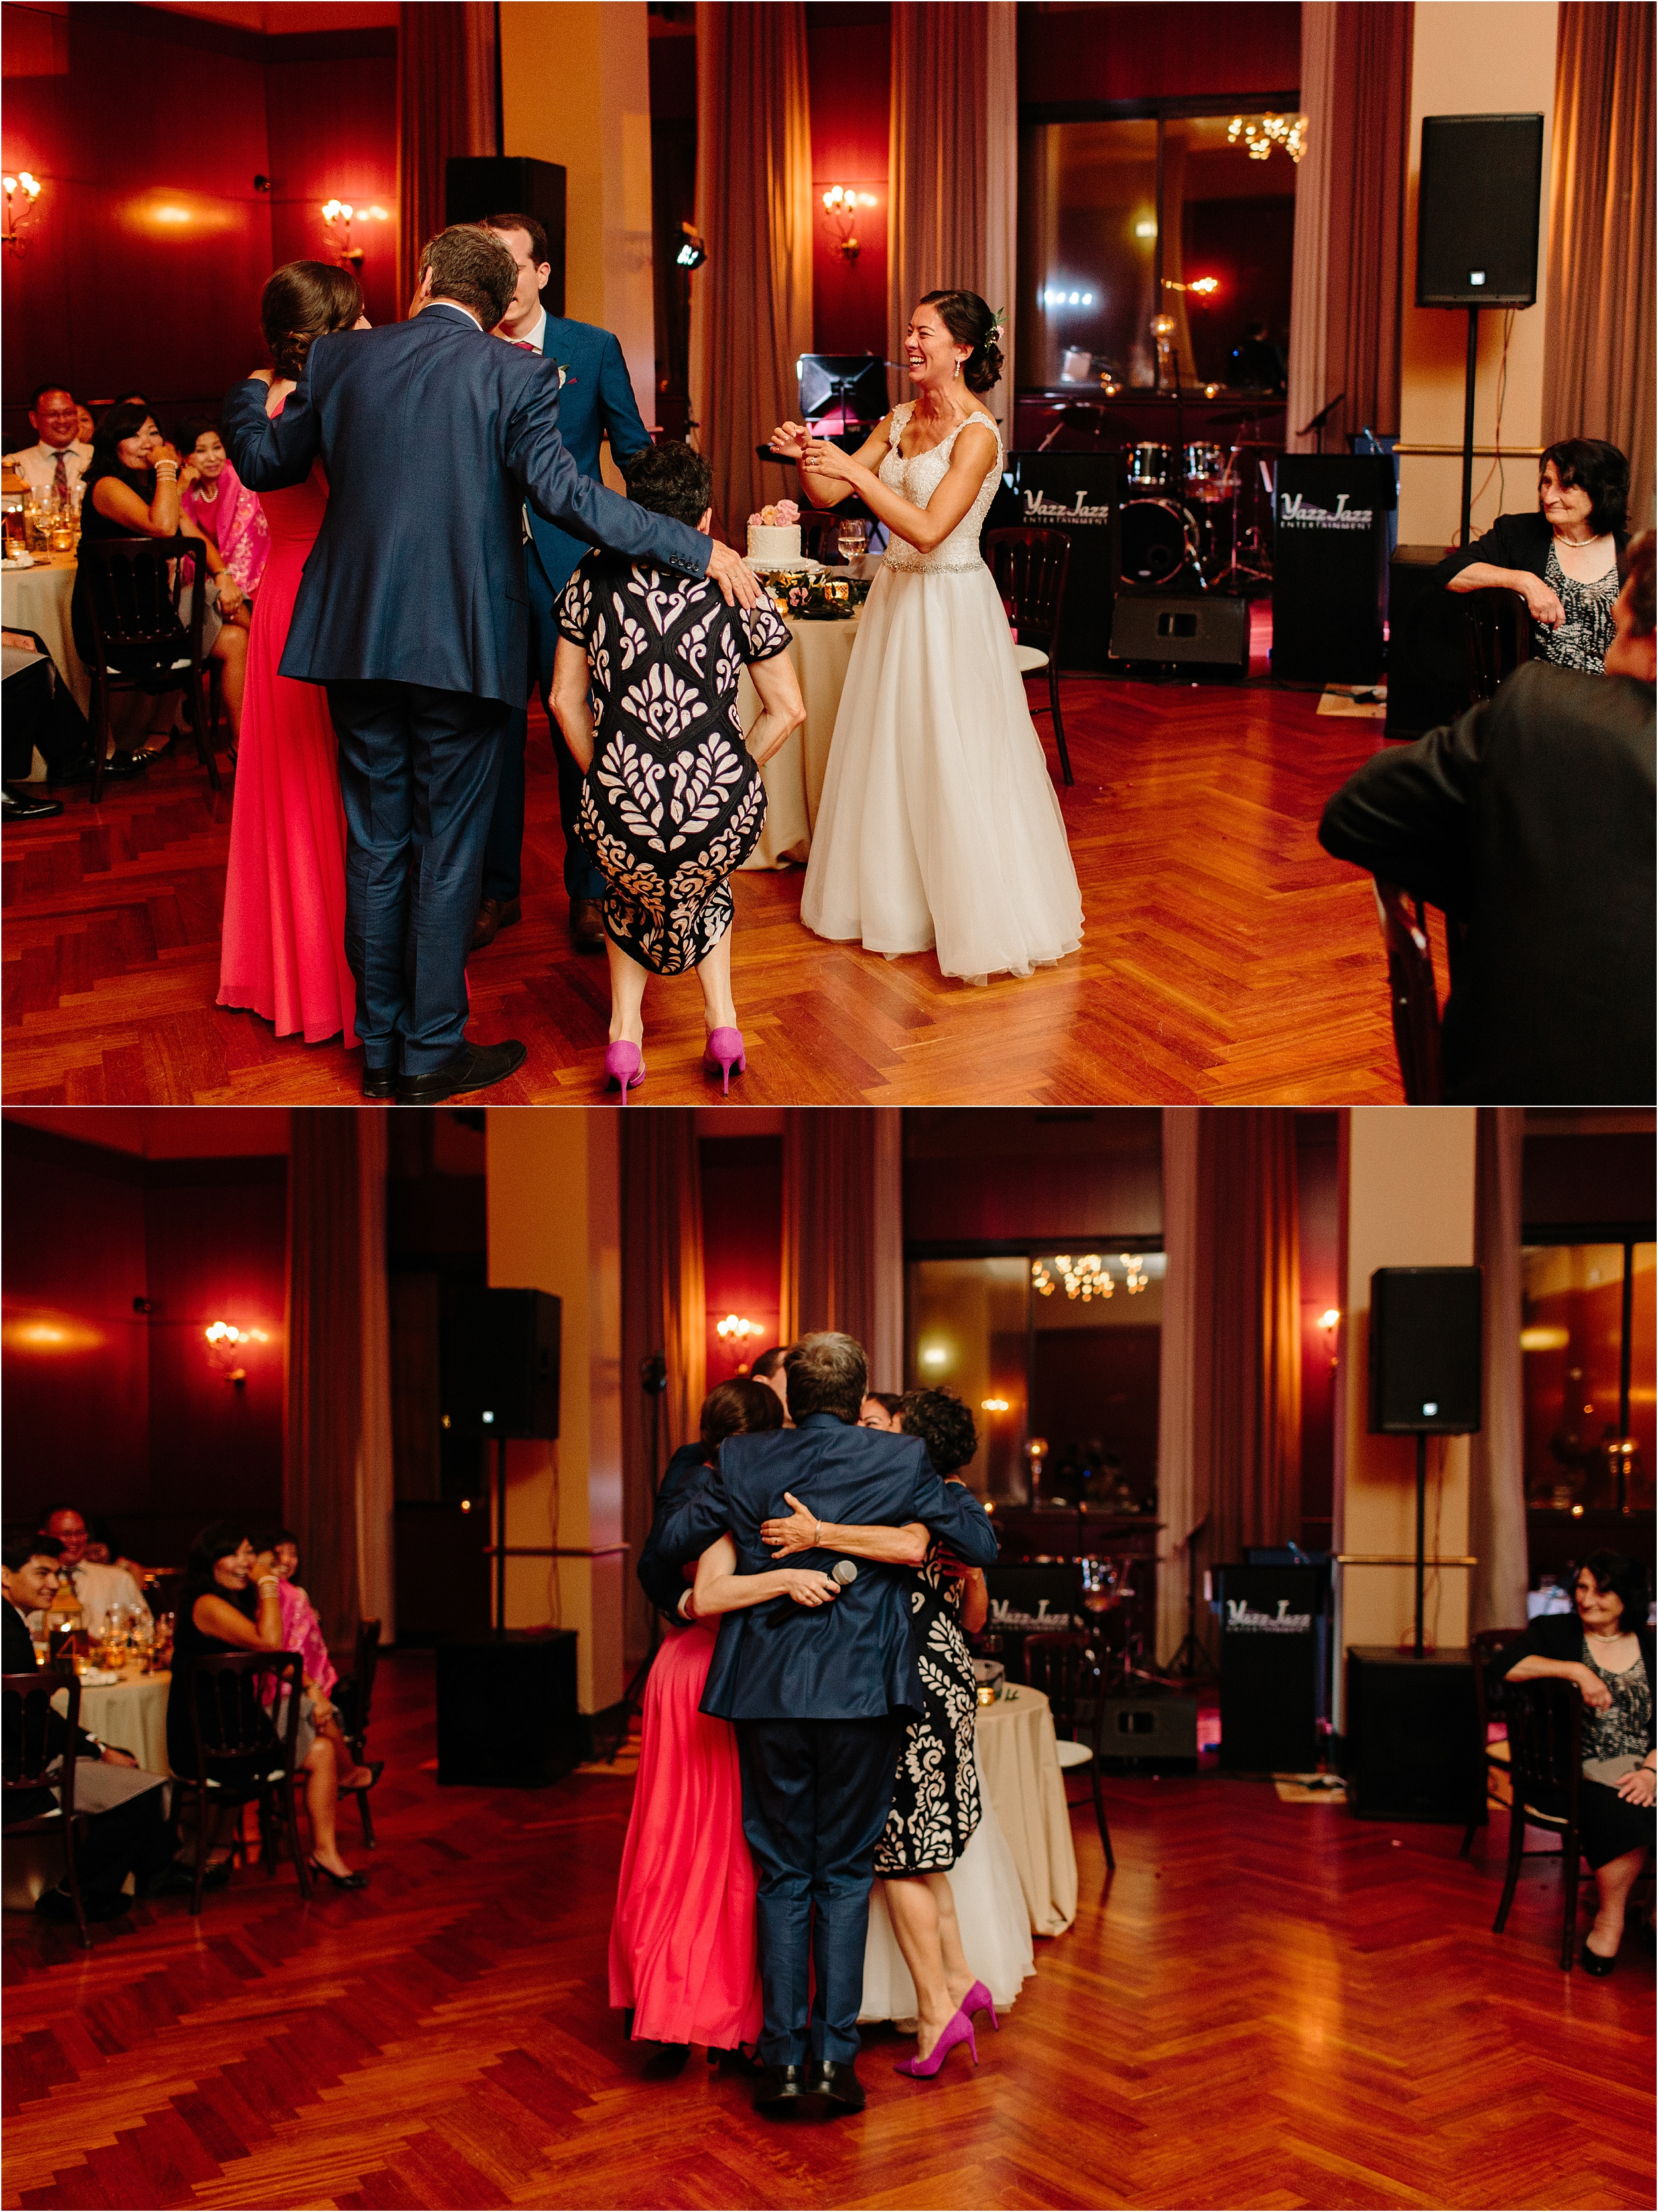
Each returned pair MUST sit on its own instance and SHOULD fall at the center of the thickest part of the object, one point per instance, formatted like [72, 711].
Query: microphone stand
[1321, 419]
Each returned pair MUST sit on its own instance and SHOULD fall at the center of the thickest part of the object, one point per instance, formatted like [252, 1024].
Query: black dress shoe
[474, 1068]
[380, 1082]
[587, 925]
[58, 1904]
[338, 1880]
[781, 2089]
[117, 767]
[18, 803]
[494, 916]
[1593, 1963]
[178, 1880]
[836, 2081]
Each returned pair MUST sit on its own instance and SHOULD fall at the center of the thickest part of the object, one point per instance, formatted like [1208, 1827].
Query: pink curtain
[830, 1253]
[446, 81]
[324, 1365]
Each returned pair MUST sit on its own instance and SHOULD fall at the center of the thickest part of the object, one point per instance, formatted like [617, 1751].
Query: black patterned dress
[935, 1805]
[1582, 640]
[673, 802]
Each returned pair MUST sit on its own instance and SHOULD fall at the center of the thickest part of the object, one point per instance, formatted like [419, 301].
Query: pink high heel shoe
[725, 1051]
[979, 1999]
[957, 2029]
[624, 1067]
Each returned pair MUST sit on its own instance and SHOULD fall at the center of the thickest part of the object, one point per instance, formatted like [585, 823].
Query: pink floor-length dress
[282, 952]
[684, 1945]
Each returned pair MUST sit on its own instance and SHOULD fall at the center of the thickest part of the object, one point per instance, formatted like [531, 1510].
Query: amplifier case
[1153, 1730]
[508, 1716]
[1413, 1749]
[1192, 628]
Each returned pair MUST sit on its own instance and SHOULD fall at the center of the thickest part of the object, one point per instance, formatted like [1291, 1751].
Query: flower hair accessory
[998, 325]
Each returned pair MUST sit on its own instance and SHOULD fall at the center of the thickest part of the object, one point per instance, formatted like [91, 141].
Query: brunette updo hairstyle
[970, 322]
[301, 303]
[739, 1408]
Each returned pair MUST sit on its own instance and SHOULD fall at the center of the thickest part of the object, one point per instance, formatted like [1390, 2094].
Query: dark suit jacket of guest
[851, 1658]
[1559, 1636]
[596, 397]
[1531, 820]
[433, 434]
[663, 1581]
[1514, 541]
[17, 1658]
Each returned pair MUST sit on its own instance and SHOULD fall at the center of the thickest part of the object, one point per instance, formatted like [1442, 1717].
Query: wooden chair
[29, 1732]
[1414, 994]
[820, 527]
[1066, 1667]
[239, 1759]
[1031, 566]
[353, 1696]
[1488, 1645]
[1499, 637]
[1546, 1760]
[139, 643]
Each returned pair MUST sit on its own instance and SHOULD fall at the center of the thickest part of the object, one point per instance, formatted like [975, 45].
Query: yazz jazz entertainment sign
[1243, 1618]
[1039, 507]
[1298, 512]
[1076, 493]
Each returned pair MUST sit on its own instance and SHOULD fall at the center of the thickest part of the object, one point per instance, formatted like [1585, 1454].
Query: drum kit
[1191, 514]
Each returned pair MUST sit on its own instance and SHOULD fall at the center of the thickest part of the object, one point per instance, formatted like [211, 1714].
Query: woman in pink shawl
[302, 1632]
[221, 505]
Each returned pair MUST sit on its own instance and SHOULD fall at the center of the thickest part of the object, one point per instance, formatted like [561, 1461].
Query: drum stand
[1238, 566]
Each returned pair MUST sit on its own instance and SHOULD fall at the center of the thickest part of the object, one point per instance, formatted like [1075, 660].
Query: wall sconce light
[21, 191]
[842, 203]
[993, 1405]
[734, 1326]
[1330, 1321]
[224, 1338]
[341, 212]
[692, 251]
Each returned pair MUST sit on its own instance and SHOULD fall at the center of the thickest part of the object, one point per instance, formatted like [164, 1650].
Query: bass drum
[1158, 540]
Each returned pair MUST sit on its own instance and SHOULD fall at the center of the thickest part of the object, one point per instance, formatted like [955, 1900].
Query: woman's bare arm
[571, 710]
[802, 1531]
[792, 439]
[720, 1588]
[216, 1616]
[925, 527]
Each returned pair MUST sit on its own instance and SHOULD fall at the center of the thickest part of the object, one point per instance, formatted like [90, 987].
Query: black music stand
[851, 385]
[1321, 419]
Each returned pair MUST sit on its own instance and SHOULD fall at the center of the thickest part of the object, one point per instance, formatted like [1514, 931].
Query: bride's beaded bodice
[918, 479]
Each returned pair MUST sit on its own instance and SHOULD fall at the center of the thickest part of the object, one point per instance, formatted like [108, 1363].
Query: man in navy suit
[414, 612]
[595, 397]
[820, 1696]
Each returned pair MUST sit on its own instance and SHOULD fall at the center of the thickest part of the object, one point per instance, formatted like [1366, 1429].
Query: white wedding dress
[938, 825]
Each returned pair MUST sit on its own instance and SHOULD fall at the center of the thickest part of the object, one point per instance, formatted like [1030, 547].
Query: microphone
[844, 1571]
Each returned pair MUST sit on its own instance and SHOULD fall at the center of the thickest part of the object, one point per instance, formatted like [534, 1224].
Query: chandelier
[1089, 1276]
[1261, 133]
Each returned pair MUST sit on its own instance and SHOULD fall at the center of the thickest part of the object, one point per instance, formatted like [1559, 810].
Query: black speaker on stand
[479, 185]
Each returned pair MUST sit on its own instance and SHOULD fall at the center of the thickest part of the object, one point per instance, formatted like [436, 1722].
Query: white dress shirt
[38, 464]
[98, 1589]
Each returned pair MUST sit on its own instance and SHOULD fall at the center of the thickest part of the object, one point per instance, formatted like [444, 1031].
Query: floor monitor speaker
[479, 185]
[1157, 1729]
[1197, 630]
[508, 1716]
[1478, 209]
[1412, 1750]
[501, 1363]
[1424, 1348]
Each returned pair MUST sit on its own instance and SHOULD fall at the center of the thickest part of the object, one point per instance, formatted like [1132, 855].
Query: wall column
[1407, 1200]
[554, 1224]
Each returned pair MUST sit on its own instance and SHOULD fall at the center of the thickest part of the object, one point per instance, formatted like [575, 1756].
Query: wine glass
[854, 540]
[1100, 1580]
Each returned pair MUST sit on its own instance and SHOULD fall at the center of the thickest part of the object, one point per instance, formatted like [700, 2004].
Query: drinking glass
[854, 540]
[1100, 1580]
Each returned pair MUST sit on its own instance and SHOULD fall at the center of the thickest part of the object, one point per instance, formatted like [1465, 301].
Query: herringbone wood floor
[1270, 2006]
[1226, 957]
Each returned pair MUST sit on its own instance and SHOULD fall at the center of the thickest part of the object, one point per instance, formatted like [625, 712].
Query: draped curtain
[1176, 1389]
[751, 300]
[325, 1383]
[664, 1310]
[447, 103]
[1345, 295]
[1496, 1479]
[952, 164]
[376, 1584]
[839, 1265]
[1599, 368]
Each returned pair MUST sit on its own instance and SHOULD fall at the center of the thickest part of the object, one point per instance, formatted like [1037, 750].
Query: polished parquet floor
[1270, 2005]
[1226, 958]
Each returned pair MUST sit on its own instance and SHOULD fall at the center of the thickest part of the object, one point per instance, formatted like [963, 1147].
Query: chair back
[231, 1720]
[1488, 1645]
[1031, 566]
[132, 593]
[354, 1693]
[1064, 1665]
[1415, 1000]
[30, 1739]
[820, 527]
[1498, 630]
[1546, 1746]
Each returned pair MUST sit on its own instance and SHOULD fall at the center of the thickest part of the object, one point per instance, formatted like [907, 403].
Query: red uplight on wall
[223, 1341]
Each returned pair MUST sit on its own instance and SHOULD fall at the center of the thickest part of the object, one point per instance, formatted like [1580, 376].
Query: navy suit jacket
[663, 1581]
[434, 435]
[596, 397]
[853, 1657]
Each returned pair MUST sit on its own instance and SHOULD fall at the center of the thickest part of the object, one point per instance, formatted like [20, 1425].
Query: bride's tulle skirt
[938, 825]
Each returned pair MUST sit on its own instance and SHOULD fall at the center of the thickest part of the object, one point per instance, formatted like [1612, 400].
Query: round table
[794, 777]
[38, 598]
[1020, 1759]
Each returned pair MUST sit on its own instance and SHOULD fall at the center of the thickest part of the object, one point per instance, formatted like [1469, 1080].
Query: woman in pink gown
[282, 953]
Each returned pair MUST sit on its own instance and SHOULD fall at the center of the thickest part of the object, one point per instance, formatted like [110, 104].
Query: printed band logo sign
[1243, 1619]
[1297, 513]
[1038, 507]
[1018, 1619]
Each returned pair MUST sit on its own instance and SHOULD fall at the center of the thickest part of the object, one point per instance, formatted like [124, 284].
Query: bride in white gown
[938, 825]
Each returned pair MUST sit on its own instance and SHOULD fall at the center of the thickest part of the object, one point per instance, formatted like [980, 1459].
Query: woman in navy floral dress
[645, 692]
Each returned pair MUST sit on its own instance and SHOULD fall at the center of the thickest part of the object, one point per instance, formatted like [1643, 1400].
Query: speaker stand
[1467, 483]
[1421, 1456]
[500, 1537]
[1191, 1661]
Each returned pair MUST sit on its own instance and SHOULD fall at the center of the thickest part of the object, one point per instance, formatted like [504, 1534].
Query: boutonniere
[564, 375]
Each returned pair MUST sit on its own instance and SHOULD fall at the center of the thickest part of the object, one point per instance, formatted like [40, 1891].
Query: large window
[1057, 1355]
[1587, 1337]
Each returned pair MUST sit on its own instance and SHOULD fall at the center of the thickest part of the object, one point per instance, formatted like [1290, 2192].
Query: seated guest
[1562, 560]
[1530, 821]
[97, 1589]
[131, 490]
[302, 1632]
[645, 692]
[128, 1832]
[1605, 1651]
[215, 498]
[60, 456]
[232, 1602]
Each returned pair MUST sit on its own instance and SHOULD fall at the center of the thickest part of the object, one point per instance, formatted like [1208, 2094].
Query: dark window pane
[1571, 1307]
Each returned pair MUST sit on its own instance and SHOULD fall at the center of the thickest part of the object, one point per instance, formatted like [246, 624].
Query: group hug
[809, 1725]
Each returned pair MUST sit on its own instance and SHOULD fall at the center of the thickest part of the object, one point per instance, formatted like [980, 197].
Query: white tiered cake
[775, 536]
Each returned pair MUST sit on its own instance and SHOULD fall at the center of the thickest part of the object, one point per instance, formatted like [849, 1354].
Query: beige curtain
[664, 1310]
[1496, 1477]
[1176, 1385]
[324, 1363]
[952, 164]
[446, 81]
[829, 1266]
[751, 300]
[1598, 356]
[376, 1586]
[1310, 272]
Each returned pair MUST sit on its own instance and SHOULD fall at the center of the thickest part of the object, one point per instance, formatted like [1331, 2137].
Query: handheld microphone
[843, 1572]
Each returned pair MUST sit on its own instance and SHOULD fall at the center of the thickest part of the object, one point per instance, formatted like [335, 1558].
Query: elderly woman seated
[1562, 560]
[645, 691]
[1605, 1651]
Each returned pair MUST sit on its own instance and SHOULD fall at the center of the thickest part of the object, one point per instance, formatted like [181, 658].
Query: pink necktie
[526, 345]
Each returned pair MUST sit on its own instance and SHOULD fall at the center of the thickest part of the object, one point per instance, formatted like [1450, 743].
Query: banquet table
[38, 598]
[131, 1715]
[794, 777]
[1020, 1759]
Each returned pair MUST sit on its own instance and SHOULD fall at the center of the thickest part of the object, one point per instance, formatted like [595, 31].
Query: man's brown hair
[531, 229]
[472, 267]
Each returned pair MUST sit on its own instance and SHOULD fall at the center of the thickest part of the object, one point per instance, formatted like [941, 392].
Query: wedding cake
[775, 536]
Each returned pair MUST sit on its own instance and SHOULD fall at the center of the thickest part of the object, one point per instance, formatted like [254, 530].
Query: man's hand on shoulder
[735, 579]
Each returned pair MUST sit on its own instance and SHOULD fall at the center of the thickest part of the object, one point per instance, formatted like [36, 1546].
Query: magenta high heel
[957, 2029]
[724, 1052]
[979, 1999]
[624, 1067]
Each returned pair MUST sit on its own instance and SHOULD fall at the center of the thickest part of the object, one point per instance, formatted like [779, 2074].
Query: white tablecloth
[38, 598]
[1020, 1762]
[794, 779]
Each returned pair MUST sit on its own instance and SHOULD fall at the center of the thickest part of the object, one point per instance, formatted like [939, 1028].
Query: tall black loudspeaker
[477, 184]
[1329, 565]
[501, 1364]
[1424, 1352]
[1076, 493]
[1478, 209]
